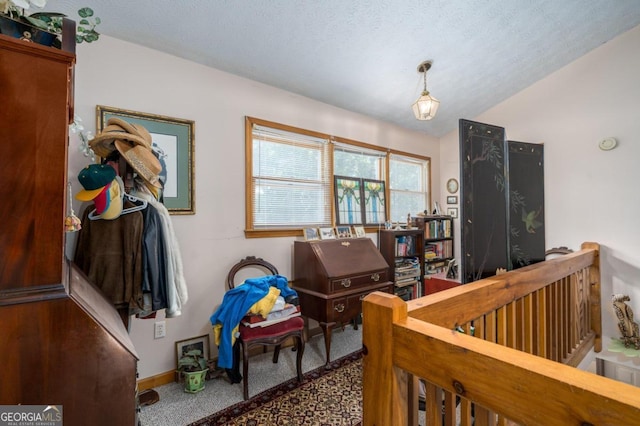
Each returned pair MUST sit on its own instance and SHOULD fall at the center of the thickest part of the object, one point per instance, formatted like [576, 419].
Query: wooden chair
[272, 335]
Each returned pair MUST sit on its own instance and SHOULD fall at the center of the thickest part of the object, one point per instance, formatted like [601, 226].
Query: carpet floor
[178, 408]
[325, 397]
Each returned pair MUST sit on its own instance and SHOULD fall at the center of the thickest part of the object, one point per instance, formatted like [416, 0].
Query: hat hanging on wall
[93, 179]
[115, 194]
[118, 129]
[143, 161]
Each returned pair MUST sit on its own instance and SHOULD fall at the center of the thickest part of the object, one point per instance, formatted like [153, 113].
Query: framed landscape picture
[173, 144]
[327, 233]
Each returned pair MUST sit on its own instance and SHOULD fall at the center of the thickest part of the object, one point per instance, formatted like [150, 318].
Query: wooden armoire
[61, 341]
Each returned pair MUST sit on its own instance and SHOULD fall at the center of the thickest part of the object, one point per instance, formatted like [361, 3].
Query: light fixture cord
[425, 80]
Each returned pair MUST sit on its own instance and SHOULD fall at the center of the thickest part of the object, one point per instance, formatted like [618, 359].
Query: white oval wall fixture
[608, 144]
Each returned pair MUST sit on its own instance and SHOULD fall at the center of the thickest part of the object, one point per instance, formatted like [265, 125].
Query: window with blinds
[408, 185]
[290, 179]
[358, 162]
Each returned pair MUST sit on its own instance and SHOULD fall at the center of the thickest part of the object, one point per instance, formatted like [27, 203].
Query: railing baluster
[538, 311]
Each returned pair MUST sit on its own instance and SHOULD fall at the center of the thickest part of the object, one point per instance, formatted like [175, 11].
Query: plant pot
[24, 31]
[194, 380]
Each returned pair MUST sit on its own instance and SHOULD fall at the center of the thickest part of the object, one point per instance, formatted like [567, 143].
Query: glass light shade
[425, 107]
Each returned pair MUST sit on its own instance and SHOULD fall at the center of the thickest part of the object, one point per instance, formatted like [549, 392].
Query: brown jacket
[110, 253]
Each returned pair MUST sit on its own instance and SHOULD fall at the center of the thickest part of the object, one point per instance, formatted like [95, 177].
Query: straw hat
[143, 161]
[103, 144]
[132, 128]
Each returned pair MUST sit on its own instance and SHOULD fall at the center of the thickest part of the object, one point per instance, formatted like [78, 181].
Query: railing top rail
[491, 375]
[483, 296]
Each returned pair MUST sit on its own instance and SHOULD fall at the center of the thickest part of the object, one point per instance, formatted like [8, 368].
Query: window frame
[251, 232]
[428, 175]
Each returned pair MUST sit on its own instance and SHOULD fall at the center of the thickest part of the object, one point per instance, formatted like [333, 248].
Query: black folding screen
[502, 199]
[526, 203]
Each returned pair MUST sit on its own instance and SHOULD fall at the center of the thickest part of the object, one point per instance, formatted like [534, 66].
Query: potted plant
[194, 368]
[43, 27]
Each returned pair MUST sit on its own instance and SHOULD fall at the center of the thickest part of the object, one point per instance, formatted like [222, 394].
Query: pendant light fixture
[426, 106]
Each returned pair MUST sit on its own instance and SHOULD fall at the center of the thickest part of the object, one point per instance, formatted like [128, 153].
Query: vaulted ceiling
[363, 55]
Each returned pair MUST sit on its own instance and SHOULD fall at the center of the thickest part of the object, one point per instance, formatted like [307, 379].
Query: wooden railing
[498, 351]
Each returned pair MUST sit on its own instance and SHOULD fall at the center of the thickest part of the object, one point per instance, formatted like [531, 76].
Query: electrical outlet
[160, 330]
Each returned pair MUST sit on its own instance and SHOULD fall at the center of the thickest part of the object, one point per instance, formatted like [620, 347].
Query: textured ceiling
[363, 55]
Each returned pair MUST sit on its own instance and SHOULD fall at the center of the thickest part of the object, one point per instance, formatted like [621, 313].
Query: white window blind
[290, 180]
[409, 186]
[358, 162]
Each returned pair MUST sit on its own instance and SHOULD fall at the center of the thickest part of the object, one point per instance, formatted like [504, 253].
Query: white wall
[590, 195]
[123, 75]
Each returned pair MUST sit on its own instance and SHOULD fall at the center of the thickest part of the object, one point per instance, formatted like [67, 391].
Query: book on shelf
[401, 264]
[405, 245]
[415, 272]
[438, 228]
[404, 283]
[438, 250]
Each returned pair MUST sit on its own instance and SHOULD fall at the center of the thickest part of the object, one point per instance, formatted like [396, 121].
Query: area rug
[325, 397]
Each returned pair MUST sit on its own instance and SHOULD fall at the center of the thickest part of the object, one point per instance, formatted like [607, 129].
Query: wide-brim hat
[143, 161]
[132, 128]
[93, 179]
[103, 143]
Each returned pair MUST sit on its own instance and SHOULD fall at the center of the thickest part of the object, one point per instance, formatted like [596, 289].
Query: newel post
[384, 388]
[595, 297]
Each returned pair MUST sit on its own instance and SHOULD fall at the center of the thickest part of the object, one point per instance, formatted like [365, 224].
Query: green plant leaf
[85, 12]
[92, 36]
[37, 22]
[46, 16]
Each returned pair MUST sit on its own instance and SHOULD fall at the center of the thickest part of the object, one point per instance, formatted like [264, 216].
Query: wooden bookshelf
[437, 232]
[404, 252]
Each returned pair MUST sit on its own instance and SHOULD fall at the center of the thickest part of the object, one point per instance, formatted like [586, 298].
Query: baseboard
[170, 376]
[157, 380]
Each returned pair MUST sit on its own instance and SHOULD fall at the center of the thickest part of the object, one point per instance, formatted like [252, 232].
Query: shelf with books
[404, 252]
[438, 242]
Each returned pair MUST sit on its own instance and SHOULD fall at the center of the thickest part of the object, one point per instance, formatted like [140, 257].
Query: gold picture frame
[174, 139]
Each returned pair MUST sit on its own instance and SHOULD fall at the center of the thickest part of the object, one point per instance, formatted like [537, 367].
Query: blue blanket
[235, 305]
